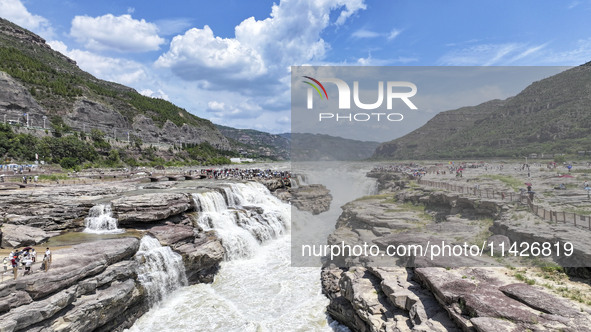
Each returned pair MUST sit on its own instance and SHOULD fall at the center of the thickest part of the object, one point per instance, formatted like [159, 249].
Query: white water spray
[161, 271]
[100, 220]
[261, 293]
[244, 216]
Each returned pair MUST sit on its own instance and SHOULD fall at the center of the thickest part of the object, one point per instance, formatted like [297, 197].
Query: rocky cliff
[410, 292]
[40, 82]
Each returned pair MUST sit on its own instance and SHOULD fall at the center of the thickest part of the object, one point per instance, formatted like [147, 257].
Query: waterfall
[101, 221]
[244, 216]
[298, 180]
[161, 270]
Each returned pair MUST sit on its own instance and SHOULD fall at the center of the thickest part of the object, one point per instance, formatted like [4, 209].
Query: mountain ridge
[61, 89]
[550, 116]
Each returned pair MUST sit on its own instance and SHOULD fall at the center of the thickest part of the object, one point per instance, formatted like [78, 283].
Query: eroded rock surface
[150, 207]
[15, 236]
[314, 198]
[446, 293]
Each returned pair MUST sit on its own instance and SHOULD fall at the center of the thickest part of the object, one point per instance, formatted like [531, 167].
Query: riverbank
[121, 274]
[483, 292]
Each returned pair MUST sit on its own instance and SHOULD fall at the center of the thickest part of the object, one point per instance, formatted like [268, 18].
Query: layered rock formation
[84, 290]
[314, 198]
[415, 293]
[101, 286]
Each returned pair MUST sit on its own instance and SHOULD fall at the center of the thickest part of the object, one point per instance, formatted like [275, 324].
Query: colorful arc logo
[316, 87]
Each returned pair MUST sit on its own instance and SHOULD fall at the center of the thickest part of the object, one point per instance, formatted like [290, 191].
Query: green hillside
[551, 116]
[55, 81]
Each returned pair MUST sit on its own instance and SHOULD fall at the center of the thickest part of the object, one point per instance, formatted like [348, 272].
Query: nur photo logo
[390, 91]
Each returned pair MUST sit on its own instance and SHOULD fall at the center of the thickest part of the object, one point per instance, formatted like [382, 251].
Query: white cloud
[364, 33]
[370, 61]
[574, 57]
[518, 54]
[15, 11]
[158, 94]
[290, 36]
[528, 51]
[111, 69]
[168, 27]
[198, 52]
[490, 54]
[394, 33]
[251, 71]
[243, 110]
[118, 33]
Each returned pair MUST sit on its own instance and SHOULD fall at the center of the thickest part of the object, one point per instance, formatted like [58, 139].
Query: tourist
[45, 263]
[48, 254]
[14, 263]
[33, 255]
[25, 257]
[5, 262]
[28, 262]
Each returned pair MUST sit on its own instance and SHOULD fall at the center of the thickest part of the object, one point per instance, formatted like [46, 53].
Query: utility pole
[44, 118]
[4, 118]
[128, 137]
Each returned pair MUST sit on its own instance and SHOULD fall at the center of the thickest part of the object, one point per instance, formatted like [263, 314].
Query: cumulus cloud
[243, 110]
[252, 69]
[117, 33]
[261, 48]
[107, 68]
[198, 54]
[155, 94]
[15, 11]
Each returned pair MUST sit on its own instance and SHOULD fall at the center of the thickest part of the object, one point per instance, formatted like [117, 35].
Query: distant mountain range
[550, 116]
[256, 142]
[318, 147]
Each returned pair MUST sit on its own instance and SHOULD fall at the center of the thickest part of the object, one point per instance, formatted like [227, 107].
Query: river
[260, 290]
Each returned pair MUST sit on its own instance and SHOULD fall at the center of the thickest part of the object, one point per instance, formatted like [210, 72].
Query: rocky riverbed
[102, 285]
[482, 293]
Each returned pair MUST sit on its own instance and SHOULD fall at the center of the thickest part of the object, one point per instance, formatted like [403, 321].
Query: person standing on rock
[28, 262]
[14, 263]
[46, 259]
[33, 255]
[48, 254]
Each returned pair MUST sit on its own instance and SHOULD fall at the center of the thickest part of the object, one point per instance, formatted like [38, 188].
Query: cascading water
[100, 220]
[263, 292]
[161, 271]
[247, 216]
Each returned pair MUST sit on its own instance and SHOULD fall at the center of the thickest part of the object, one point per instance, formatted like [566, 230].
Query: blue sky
[228, 60]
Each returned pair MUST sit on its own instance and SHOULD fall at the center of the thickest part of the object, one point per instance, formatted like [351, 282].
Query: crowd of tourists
[244, 173]
[24, 260]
